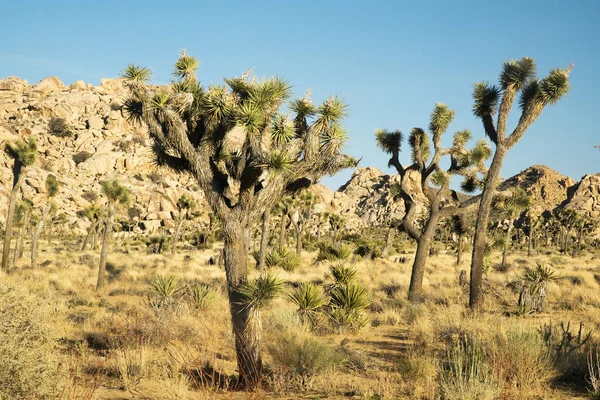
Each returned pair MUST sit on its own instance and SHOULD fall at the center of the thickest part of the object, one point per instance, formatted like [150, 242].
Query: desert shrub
[81, 156]
[309, 299]
[124, 145]
[202, 240]
[348, 303]
[165, 294]
[570, 347]
[334, 252]
[466, 375]
[157, 244]
[202, 296]
[297, 360]
[343, 274]
[593, 363]
[29, 366]
[520, 359]
[283, 258]
[59, 127]
[155, 177]
[370, 249]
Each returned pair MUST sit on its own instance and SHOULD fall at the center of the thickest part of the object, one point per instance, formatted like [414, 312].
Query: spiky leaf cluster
[115, 192]
[52, 185]
[234, 139]
[22, 152]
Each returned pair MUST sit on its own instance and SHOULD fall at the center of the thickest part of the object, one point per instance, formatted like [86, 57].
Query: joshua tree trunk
[507, 242]
[264, 240]
[10, 216]
[182, 215]
[246, 324]
[105, 243]
[415, 290]
[91, 231]
[529, 241]
[388, 241]
[491, 183]
[37, 233]
[298, 238]
[282, 232]
[459, 250]
[95, 236]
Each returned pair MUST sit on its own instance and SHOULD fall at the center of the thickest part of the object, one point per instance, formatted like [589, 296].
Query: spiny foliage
[258, 293]
[185, 203]
[309, 299]
[115, 192]
[202, 296]
[22, 152]
[343, 274]
[165, 286]
[233, 137]
[282, 258]
[52, 185]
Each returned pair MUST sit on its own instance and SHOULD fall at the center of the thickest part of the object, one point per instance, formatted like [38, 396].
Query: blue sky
[389, 60]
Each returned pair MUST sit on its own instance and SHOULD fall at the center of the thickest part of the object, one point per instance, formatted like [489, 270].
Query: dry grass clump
[29, 365]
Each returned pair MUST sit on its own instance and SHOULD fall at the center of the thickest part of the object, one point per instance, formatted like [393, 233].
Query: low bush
[59, 127]
[284, 259]
[334, 252]
[81, 157]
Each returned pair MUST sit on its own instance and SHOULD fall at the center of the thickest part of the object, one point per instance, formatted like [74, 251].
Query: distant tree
[245, 155]
[532, 222]
[517, 77]
[283, 208]
[133, 213]
[115, 194]
[185, 205]
[584, 225]
[264, 240]
[22, 220]
[93, 213]
[462, 226]
[23, 155]
[301, 212]
[336, 222]
[52, 186]
[424, 172]
[510, 208]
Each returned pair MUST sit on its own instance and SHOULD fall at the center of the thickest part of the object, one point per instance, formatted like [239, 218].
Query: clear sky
[389, 60]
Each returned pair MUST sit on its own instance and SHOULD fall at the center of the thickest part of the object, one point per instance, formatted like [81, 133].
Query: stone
[49, 85]
[111, 85]
[13, 84]
[78, 86]
[95, 123]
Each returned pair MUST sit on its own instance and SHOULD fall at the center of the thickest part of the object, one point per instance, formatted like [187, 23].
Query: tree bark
[182, 215]
[105, 243]
[298, 239]
[529, 243]
[21, 238]
[91, 231]
[282, 232]
[479, 241]
[246, 323]
[388, 242]
[507, 242]
[264, 241]
[415, 290]
[37, 233]
[459, 251]
[10, 215]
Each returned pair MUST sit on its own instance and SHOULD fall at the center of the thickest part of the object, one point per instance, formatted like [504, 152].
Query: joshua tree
[283, 207]
[23, 155]
[583, 226]
[301, 213]
[264, 240]
[461, 225]
[517, 77]
[115, 193]
[22, 220]
[510, 208]
[532, 223]
[93, 214]
[52, 189]
[336, 222]
[246, 155]
[415, 181]
[185, 204]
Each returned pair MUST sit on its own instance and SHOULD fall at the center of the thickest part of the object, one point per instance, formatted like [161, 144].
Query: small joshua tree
[510, 208]
[246, 154]
[52, 186]
[185, 205]
[517, 77]
[23, 155]
[115, 194]
[93, 214]
[416, 181]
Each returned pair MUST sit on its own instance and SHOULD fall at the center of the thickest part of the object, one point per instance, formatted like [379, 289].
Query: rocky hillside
[102, 144]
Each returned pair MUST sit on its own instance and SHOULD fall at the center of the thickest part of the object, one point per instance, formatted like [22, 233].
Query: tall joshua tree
[302, 208]
[510, 208]
[23, 218]
[185, 205]
[246, 155]
[92, 213]
[416, 181]
[51, 189]
[115, 194]
[23, 155]
[517, 77]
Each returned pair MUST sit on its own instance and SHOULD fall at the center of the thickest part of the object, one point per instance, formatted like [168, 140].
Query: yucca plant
[233, 141]
[334, 253]
[518, 77]
[348, 303]
[534, 293]
[165, 286]
[282, 258]
[343, 274]
[309, 299]
[257, 294]
[202, 296]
